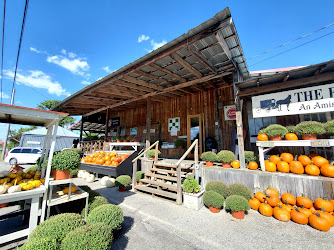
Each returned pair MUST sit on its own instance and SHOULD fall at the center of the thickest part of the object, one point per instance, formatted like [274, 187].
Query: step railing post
[156, 153]
[179, 187]
[134, 173]
[196, 162]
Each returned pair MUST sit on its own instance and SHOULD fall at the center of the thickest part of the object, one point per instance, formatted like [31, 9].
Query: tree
[49, 104]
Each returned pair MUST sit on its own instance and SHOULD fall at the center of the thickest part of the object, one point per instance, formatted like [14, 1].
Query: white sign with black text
[298, 101]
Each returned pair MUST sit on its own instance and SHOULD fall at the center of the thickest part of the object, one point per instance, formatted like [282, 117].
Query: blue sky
[69, 44]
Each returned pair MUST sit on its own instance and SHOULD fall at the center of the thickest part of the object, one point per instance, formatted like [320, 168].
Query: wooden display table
[265, 146]
[34, 195]
[55, 198]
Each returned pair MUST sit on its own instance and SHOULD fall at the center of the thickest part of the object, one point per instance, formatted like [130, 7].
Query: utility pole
[8, 128]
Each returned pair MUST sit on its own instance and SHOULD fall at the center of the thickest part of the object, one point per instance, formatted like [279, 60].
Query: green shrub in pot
[310, 127]
[209, 156]
[123, 181]
[139, 175]
[179, 143]
[211, 198]
[239, 189]
[151, 153]
[274, 130]
[66, 160]
[219, 187]
[250, 156]
[291, 128]
[109, 214]
[190, 185]
[329, 127]
[236, 203]
[226, 156]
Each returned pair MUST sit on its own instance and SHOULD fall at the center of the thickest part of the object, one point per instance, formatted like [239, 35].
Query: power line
[292, 48]
[33, 88]
[325, 27]
[21, 36]
[3, 41]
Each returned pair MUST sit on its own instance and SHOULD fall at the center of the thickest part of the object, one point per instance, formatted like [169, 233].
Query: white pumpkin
[90, 178]
[109, 183]
[3, 189]
[14, 189]
[80, 173]
[103, 180]
[85, 175]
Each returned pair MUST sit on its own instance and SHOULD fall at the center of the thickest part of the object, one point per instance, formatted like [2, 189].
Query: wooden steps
[156, 191]
[159, 183]
[162, 180]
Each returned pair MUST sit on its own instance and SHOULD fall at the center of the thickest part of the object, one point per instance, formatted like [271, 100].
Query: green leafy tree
[49, 104]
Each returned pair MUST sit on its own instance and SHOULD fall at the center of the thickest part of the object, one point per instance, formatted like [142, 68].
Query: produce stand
[134, 145]
[265, 146]
[55, 198]
[29, 116]
[124, 168]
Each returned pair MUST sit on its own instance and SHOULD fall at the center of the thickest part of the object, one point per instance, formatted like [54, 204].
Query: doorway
[194, 131]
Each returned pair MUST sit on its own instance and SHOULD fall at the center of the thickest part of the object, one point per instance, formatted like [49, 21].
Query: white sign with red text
[229, 112]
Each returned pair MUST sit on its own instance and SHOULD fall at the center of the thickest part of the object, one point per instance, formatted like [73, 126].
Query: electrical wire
[33, 87]
[3, 41]
[284, 44]
[292, 48]
[21, 36]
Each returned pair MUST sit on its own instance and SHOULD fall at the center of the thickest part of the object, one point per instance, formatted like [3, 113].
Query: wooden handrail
[157, 142]
[178, 168]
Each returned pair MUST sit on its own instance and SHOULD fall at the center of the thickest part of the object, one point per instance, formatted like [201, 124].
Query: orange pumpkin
[332, 201]
[273, 201]
[313, 155]
[305, 211]
[321, 203]
[287, 207]
[270, 166]
[287, 157]
[291, 137]
[305, 160]
[313, 211]
[114, 163]
[236, 164]
[296, 167]
[299, 217]
[283, 167]
[312, 170]
[275, 159]
[327, 170]
[260, 196]
[265, 209]
[262, 137]
[319, 161]
[319, 222]
[304, 201]
[254, 203]
[252, 165]
[289, 198]
[281, 214]
[327, 216]
[271, 192]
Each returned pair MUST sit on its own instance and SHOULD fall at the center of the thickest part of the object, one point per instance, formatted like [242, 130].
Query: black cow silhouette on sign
[285, 101]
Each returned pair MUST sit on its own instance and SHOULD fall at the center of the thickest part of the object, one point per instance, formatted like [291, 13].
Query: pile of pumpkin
[107, 159]
[312, 165]
[301, 210]
[11, 183]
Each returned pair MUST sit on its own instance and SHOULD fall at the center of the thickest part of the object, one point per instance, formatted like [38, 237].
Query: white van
[23, 155]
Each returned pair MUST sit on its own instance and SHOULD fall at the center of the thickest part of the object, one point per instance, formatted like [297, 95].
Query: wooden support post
[106, 129]
[148, 122]
[218, 132]
[81, 127]
[134, 172]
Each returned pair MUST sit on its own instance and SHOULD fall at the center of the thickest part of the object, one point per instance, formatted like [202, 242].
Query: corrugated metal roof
[42, 131]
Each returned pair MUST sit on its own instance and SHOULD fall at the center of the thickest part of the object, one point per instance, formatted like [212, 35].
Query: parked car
[23, 155]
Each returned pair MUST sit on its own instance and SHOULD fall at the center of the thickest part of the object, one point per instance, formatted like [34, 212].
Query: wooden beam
[106, 128]
[131, 85]
[142, 73]
[320, 70]
[166, 90]
[148, 119]
[193, 50]
[142, 83]
[223, 44]
[186, 65]
[98, 98]
[290, 84]
[157, 67]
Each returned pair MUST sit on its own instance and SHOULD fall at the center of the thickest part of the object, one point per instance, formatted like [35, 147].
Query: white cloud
[85, 82]
[72, 55]
[5, 96]
[156, 45]
[143, 38]
[108, 70]
[63, 51]
[98, 78]
[77, 65]
[38, 79]
[35, 50]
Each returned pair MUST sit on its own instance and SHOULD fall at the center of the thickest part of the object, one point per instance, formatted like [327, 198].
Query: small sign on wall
[114, 122]
[230, 112]
[133, 131]
[152, 131]
[174, 123]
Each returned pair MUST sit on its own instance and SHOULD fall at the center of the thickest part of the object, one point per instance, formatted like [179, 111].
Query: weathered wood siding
[309, 186]
[201, 102]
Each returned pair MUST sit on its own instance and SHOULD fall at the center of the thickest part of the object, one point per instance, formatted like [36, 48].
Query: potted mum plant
[151, 154]
[179, 143]
[237, 205]
[209, 157]
[213, 200]
[122, 182]
[329, 127]
[226, 157]
[64, 163]
[139, 176]
[275, 132]
[192, 195]
[250, 160]
[310, 129]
